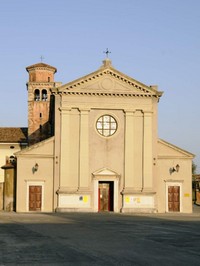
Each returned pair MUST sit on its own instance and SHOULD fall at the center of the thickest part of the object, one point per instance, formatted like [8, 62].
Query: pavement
[100, 239]
[196, 209]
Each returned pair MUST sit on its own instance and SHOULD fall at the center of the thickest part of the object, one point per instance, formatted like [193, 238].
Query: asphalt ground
[99, 239]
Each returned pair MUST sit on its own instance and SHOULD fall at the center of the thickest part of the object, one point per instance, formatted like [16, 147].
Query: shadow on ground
[99, 239]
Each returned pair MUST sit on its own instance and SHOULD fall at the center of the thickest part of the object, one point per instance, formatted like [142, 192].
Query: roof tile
[13, 134]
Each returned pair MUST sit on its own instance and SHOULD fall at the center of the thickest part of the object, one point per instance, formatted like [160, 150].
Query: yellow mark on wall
[127, 199]
[85, 199]
[138, 200]
[186, 195]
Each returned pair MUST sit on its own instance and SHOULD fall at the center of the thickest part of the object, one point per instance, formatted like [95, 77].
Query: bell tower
[41, 80]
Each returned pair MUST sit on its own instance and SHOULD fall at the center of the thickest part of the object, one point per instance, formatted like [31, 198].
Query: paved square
[99, 239]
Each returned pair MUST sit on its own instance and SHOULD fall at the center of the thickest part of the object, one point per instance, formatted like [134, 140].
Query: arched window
[37, 95]
[44, 95]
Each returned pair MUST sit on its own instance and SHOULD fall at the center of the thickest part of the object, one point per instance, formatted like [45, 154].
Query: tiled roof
[41, 65]
[13, 134]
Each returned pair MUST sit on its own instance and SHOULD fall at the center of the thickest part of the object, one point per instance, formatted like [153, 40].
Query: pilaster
[84, 150]
[129, 148]
[65, 151]
[148, 152]
[69, 149]
[138, 149]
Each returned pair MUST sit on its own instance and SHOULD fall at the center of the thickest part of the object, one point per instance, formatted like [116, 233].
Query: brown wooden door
[105, 196]
[174, 198]
[35, 198]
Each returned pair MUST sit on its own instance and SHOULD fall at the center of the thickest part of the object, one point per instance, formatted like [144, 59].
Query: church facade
[94, 146]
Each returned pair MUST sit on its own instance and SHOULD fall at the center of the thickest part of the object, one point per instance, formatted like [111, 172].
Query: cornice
[42, 68]
[105, 94]
[49, 84]
[35, 155]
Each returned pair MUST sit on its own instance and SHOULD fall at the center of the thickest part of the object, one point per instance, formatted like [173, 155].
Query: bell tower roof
[41, 72]
[41, 66]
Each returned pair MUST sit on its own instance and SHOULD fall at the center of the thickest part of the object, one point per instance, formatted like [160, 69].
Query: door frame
[169, 184]
[33, 183]
[105, 175]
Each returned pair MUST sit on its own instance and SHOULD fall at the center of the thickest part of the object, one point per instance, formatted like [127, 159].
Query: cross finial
[41, 57]
[107, 52]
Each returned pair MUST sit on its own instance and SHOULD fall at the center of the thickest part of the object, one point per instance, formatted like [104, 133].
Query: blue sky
[153, 41]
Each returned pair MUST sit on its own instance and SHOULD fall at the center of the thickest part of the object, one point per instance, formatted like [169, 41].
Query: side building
[12, 139]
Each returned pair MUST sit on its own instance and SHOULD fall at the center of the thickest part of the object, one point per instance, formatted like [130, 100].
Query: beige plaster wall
[106, 152]
[182, 178]
[42, 154]
[1, 195]
[26, 177]
[84, 151]
[5, 150]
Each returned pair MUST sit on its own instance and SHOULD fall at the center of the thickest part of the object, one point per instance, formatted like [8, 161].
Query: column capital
[65, 109]
[83, 110]
[148, 113]
[129, 111]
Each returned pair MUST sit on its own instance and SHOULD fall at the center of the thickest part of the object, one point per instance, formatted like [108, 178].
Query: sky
[155, 42]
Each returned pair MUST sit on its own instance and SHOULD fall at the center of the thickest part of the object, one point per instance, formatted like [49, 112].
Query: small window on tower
[49, 79]
[37, 95]
[40, 115]
[44, 95]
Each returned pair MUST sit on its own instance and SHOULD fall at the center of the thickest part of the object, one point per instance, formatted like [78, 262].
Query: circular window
[106, 125]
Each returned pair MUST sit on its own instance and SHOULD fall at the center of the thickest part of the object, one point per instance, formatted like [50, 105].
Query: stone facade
[105, 154]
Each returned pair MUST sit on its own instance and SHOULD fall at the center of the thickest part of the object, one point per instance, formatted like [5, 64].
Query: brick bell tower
[41, 80]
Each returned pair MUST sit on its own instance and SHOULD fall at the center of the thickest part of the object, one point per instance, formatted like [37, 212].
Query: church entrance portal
[106, 195]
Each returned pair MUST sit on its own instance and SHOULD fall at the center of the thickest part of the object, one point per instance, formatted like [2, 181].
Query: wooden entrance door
[105, 196]
[35, 198]
[173, 198]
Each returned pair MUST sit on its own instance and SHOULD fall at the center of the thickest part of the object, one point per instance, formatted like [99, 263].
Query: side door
[173, 198]
[35, 198]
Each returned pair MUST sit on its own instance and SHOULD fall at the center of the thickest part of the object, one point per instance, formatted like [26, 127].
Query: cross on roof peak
[41, 58]
[107, 52]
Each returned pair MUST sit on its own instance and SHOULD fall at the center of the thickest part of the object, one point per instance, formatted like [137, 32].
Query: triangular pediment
[107, 81]
[105, 172]
[168, 150]
[43, 148]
